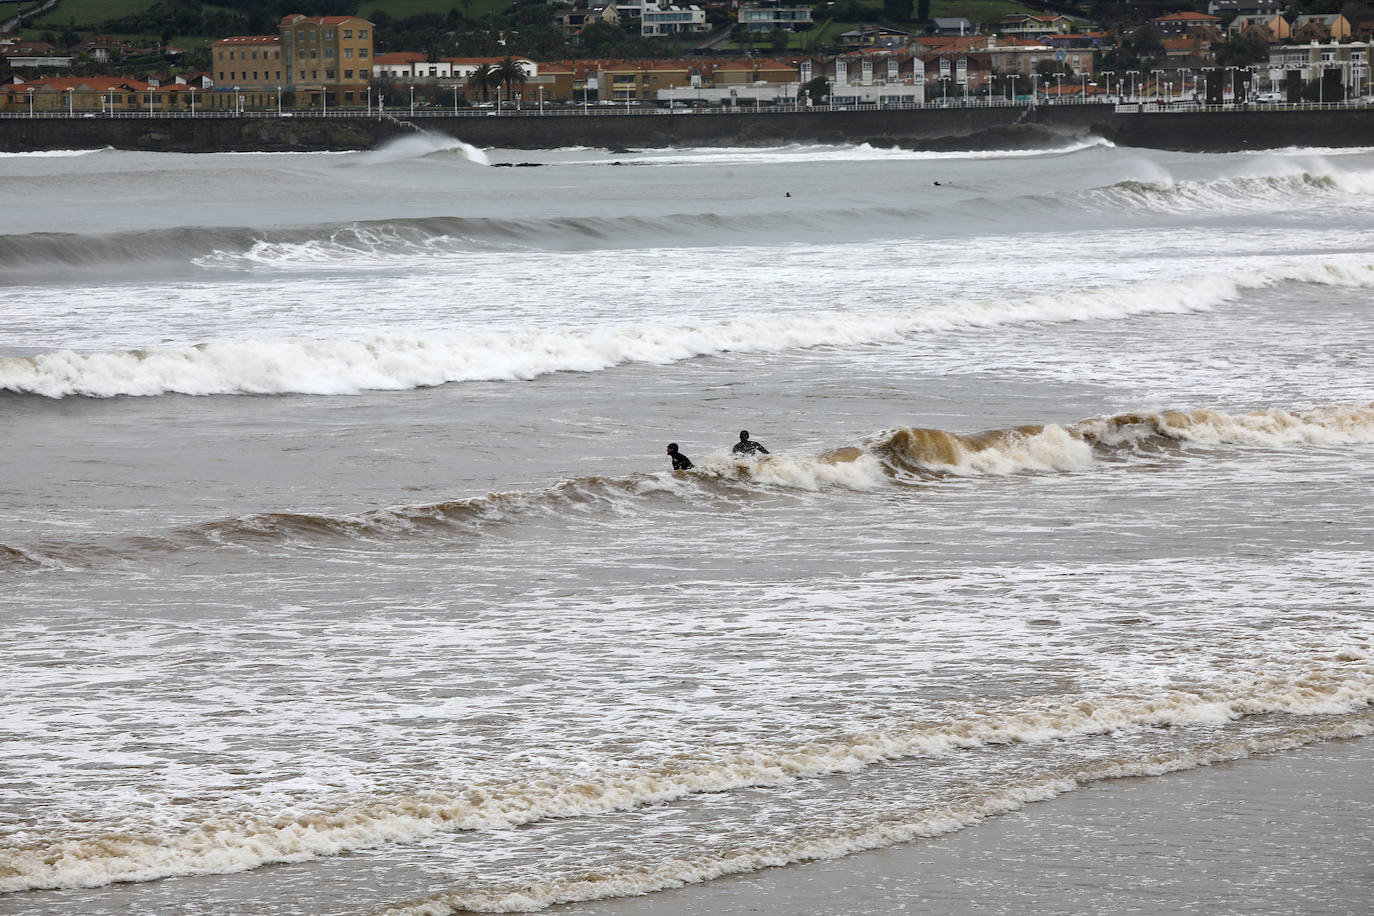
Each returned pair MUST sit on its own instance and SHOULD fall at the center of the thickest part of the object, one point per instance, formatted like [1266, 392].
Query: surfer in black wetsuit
[746, 446]
[680, 461]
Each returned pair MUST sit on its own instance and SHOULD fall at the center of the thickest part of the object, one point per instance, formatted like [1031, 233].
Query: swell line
[902, 457]
[393, 362]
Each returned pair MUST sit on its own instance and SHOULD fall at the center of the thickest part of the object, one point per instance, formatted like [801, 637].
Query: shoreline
[996, 127]
[1275, 834]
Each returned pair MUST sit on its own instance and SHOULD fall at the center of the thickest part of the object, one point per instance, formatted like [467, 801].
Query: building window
[328, 34]
[362, 52]
[348, 53]
[348, 33]
[329, 74]
[362, 33]
[329, 52]
[348, 74]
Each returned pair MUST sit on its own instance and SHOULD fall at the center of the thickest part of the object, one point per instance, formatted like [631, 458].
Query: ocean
[343, 570]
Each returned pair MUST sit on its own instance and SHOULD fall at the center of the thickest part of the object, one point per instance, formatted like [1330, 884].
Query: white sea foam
[679, 871]
[421, 145]
[394, 362]
[54, 153]
[1309, 185]
[861, 152]
[229, 845]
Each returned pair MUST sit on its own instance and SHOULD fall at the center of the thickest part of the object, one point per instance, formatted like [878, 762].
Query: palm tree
[511, 71]
[484, 77]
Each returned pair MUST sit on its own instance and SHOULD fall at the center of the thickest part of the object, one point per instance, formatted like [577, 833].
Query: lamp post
[238, 101]
[30, 92]
[1013, 87]
[279, 101]
[192, 90]
[324, 100]
[455, 99]
[1200, 72]
[1157, 74]
[1082, 88]
[71, 93]
[1035, 87]
[1108, 74]
[1059, 88]
[412, 101]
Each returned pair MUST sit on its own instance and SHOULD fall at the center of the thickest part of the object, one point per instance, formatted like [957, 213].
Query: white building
[412, 65]
[672, 20]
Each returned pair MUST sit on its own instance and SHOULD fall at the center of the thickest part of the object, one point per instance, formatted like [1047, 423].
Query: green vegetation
[88, 14]
[402, 9]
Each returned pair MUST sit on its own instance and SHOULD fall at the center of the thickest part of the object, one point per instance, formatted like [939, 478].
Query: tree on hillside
[897, 10]
[1240, 51]
[923, 10]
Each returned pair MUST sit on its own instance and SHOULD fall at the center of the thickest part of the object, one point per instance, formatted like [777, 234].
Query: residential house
[768, 15]
[1319, 27]
[956, 25]
[873, 36]
[661, 21]
[1177, 25]
[1246, 7]
[1270, 28]
[1028, 26]
[573, 21]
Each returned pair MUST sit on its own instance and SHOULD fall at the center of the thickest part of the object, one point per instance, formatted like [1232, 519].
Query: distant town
[738, 54]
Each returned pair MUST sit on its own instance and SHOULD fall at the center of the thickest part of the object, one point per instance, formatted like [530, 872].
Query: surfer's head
[672, 448]
[744, 435]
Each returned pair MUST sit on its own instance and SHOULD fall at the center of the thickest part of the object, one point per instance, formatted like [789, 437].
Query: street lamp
[279, 101]
[1157, 75]
[455, 98]
[30, 92]
[238, 101]
[1013, 87]
[412, 101]
[71, 93]
[192, 90]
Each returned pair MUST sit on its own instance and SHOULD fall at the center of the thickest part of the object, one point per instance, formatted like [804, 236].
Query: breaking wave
[899, 457]
[217, 845]
[1261, 193]
[393, 362]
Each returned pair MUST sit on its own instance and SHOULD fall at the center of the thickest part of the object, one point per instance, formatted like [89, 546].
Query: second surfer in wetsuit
[680, 461]
[747, 446]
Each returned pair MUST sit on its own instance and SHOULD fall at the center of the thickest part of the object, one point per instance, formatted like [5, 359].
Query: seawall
[951, 128]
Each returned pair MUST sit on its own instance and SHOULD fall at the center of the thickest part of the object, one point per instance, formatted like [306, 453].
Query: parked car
[1269, 98]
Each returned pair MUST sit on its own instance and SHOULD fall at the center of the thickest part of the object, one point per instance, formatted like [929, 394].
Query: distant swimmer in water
[680, 461]
[788, 194]
[747, 446]
[937, 184]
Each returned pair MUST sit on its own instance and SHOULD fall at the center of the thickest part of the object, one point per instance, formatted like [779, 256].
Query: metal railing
[569, 110]
[1141, 106]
